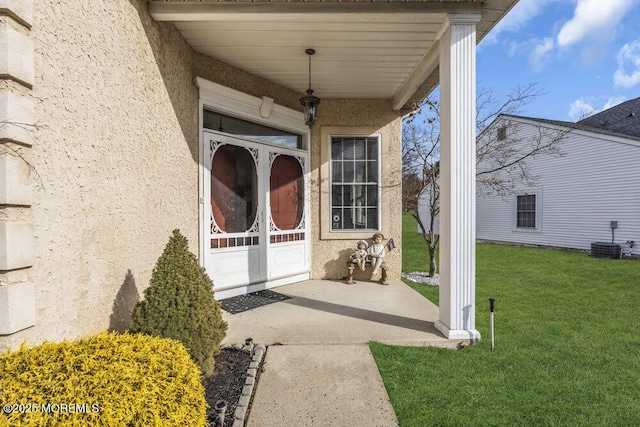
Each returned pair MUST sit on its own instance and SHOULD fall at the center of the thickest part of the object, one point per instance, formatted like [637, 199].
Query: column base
[457, 334]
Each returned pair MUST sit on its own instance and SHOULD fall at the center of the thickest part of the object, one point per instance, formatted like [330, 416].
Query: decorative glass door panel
[234, 196]
[288, 238]
[234, 202]
[286, 193]
[256, 209]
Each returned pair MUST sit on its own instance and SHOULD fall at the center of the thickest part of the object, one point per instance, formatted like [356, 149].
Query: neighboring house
[577, 195]
[122, 120]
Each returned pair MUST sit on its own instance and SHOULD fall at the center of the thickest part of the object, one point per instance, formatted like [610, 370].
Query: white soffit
[363, 50]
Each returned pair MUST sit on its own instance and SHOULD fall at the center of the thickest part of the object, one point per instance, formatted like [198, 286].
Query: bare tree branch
[503, 160]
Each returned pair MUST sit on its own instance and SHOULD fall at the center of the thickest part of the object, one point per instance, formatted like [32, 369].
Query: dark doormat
[235, 305]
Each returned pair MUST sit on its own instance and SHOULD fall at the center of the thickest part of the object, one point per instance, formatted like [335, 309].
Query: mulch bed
[226, 383]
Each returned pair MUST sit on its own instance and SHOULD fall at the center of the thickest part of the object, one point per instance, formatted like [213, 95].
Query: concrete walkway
[314, 385]
[318, 369]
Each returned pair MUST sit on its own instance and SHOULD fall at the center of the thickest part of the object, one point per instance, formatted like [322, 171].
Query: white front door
[256, 214]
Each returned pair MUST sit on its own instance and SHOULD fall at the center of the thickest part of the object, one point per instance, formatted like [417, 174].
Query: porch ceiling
[374, 49]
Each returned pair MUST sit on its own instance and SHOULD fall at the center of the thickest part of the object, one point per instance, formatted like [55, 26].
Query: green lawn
[567, 346]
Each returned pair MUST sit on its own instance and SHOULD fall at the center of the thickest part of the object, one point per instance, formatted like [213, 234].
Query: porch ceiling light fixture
[309, 101]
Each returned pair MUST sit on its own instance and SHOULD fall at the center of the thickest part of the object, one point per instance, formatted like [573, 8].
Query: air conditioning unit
[605, 250]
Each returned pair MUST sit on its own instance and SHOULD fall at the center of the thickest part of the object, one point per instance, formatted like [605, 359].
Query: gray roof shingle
[624, 119]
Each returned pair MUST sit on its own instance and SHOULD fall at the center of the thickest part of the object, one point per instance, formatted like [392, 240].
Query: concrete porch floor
[331, 312]
[324, 373]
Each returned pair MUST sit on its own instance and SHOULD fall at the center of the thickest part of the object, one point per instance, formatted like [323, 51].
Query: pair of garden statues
[374, 254]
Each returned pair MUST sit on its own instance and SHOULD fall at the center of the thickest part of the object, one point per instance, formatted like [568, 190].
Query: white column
[458, 177]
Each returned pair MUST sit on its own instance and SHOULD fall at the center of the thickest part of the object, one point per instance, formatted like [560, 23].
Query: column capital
[457, 19]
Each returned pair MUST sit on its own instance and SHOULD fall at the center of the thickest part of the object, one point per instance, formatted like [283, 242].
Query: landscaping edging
[242, 407]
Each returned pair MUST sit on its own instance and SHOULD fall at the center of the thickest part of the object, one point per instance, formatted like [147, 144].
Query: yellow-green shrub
[122, 380]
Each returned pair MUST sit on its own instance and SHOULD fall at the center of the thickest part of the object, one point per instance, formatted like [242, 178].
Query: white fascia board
[606, 137]
[269, 11]
[620, 139]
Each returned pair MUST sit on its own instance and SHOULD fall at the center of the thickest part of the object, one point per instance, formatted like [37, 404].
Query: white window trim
[529, 192]
[330, 177]
[223, 99]
[384, 209]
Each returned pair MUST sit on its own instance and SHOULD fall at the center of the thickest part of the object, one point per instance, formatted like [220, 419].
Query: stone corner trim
[17, 307]
[17, 121]
[16, 245]
[20, 11]
[17, 61]
[17, 118]
[15, 181]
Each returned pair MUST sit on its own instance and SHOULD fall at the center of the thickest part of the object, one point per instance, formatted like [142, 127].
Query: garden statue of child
[376, 252]
[359, 255]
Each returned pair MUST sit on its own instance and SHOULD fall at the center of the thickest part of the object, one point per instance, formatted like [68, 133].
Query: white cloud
[593, 19]
[540, 53]
[628, 73]
[579, 109]
[584, 107]
[613, 101]
[523, 12]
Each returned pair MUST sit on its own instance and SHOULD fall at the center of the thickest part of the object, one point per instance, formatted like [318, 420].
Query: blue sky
[584, 53]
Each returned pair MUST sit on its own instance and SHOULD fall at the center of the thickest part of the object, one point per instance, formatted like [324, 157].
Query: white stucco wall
[115, 158]
[330, 251]
[115, 154]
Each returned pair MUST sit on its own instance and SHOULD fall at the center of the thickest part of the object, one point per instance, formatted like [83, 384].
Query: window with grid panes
[355, 183]
[526, 211]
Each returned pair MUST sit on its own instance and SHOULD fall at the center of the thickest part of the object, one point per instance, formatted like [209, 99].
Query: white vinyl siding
[594, 183]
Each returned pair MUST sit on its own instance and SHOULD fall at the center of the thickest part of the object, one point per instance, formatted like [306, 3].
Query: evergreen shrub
[107, 379]
[179, 304]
